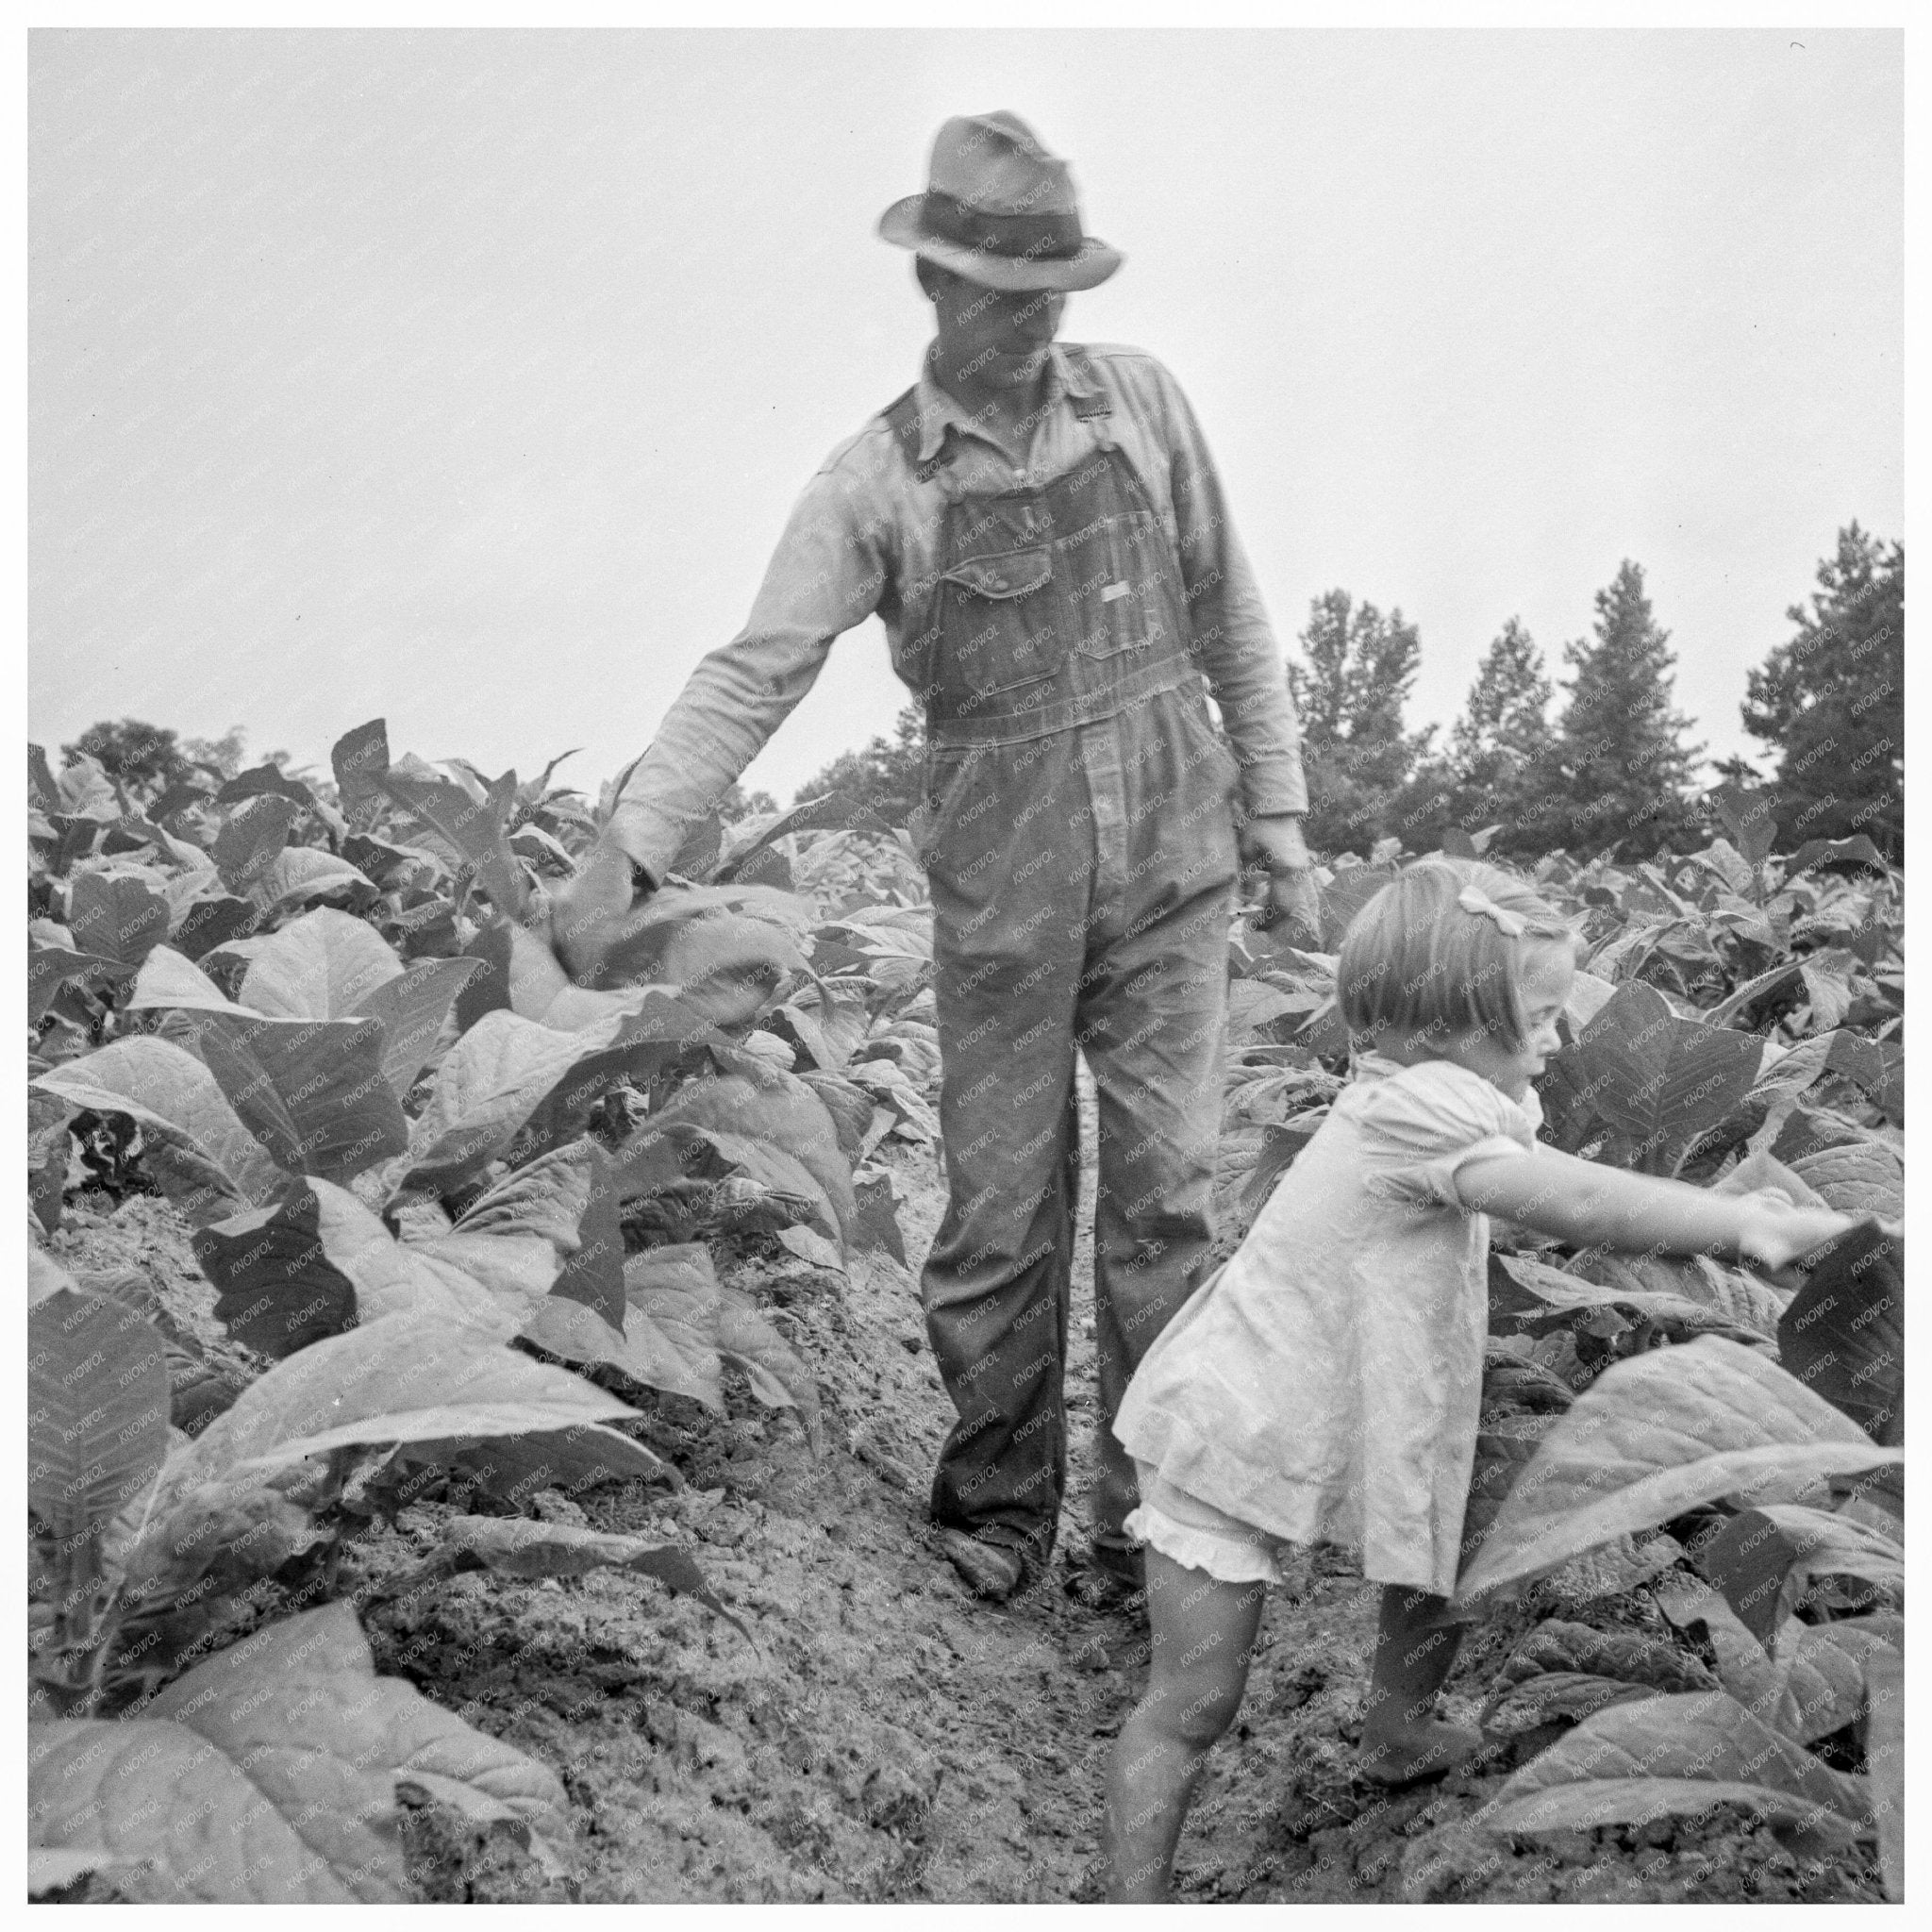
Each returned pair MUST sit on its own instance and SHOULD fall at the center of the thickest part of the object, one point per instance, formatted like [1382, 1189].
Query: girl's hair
[1414, 958]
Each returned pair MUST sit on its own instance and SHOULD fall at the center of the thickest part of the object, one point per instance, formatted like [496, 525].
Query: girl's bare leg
[1401, 1736]
[1201, 1632]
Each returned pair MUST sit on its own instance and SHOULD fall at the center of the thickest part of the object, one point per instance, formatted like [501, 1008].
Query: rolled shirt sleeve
[827, 577]
[1231, 629]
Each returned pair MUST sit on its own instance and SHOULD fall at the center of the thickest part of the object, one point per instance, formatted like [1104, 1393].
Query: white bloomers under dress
[1324, 1384]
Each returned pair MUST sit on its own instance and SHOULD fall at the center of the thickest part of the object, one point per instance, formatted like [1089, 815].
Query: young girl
[1324, 1386]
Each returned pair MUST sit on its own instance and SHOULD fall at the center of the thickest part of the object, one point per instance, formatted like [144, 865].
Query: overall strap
[902, 419]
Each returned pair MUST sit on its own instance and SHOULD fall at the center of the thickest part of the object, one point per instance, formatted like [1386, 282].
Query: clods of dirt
[884, 1737]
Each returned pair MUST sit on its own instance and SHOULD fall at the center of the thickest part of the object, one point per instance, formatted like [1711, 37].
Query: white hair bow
[1473, 899]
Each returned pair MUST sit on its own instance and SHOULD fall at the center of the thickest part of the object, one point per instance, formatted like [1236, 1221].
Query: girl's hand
[1775, 1233]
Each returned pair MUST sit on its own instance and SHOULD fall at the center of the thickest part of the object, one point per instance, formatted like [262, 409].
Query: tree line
[1607, 769]
[1610, 768]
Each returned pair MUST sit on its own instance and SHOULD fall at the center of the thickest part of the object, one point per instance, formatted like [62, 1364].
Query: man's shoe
[1108, 1577]
[992, 1571]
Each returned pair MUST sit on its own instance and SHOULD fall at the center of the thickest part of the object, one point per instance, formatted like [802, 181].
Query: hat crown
[996, 164]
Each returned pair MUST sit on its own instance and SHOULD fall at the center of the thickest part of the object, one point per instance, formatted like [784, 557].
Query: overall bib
[1078, 839]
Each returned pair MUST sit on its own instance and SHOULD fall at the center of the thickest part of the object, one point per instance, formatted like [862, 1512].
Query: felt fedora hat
[999, 209]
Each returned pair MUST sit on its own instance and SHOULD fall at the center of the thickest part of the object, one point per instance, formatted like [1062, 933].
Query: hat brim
[903, 224]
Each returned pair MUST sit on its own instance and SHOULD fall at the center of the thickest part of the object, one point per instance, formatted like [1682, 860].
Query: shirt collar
[1365, 1065]
[938, 411]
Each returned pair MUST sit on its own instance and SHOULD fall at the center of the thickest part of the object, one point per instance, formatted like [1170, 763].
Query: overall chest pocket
[1126, 588]
[997, 628]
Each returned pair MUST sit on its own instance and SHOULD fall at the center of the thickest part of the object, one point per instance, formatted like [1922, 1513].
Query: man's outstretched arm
[824, 577]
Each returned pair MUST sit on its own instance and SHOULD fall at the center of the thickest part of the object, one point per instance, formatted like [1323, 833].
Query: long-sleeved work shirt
[864, 538]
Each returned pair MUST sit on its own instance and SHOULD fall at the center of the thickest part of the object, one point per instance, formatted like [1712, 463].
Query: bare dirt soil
[887, 1738]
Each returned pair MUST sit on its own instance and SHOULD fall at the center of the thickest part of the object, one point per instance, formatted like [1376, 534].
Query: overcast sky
[467, 378]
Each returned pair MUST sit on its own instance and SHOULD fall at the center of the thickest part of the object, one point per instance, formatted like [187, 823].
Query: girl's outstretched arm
[1591, 1206]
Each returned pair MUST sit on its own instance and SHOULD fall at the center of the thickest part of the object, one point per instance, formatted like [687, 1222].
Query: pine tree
[1622, 772]
[1349, 697]
[1507, 713]
[1502, 748]
[1831, 701]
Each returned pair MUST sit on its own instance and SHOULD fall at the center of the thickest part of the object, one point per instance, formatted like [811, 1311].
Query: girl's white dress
[1324, 1384]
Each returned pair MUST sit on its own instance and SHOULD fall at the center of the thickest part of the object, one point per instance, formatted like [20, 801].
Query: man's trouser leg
[1153, 1025]
[997, 1279]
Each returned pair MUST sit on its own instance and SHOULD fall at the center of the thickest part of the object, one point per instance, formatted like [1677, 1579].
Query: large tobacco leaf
[97, 1416]
[1857, 1177]
[1553, 1697]
[193, 1142]
[875, 1220]
[116, 917]
[1640, 1761]
[277, 1289]
[1665, 1081]
[651, 1035]
[268, 1774]
[1813, 1686]
[681, 1325]
[467, 829]
[513, 1468]
[312, 1091]
[1843, 1334]
[1346, 894]
[1674, 1299]
[1761, 1170]
[51, 968]
[723, 950]
[487, 1087]
[1749, 816]
[644, 1351]
[1731, 1298]
[53, 1868]
[1654, 1435]
[830, 812]
[319, 967]
[536, 986]
[769, 1363]
[317, 1261]
[1560, 1647]
[569, 1197]
[1762, 1559]
[726, 966]
[518, 1547]
[250, 839]
[301, 874]
[1884, 1758]
[205, 922]
[412, 1009]
[830, 1030]
[402, 1379]
[546, 1197]
[170, 980]
[781, 1111]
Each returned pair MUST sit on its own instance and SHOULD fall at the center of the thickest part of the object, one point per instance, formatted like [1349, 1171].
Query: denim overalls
[1078, 839]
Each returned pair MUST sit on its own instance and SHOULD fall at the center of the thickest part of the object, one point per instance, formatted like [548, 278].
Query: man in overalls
[1043, 532]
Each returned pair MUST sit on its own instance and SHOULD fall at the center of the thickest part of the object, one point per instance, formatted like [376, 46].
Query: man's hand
[587, 912]
[1274, 846]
